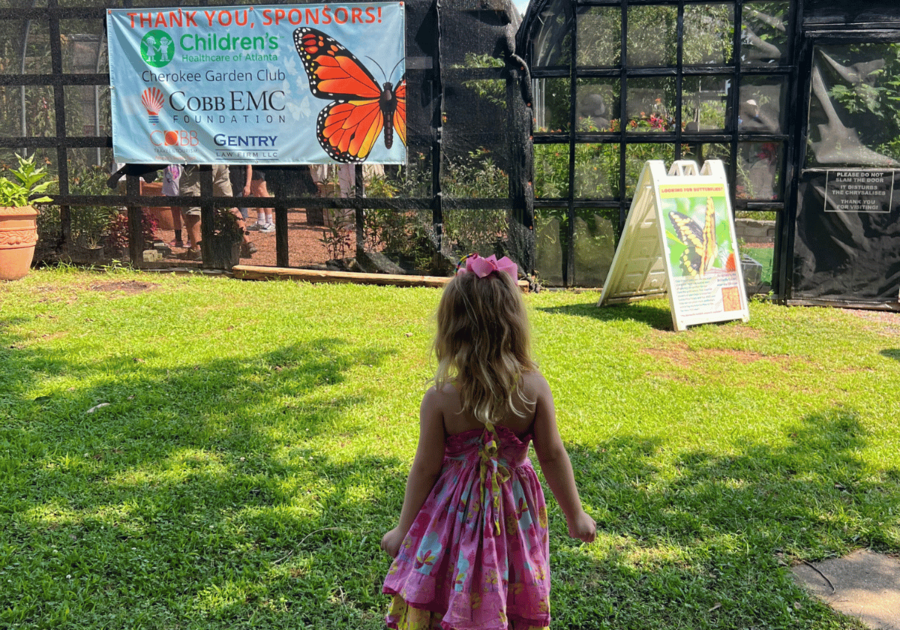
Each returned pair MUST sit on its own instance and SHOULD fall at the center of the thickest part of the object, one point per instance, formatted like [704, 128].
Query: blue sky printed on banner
[215, 85]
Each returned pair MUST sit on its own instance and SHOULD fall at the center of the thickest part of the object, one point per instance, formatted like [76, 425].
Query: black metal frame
[429, 78]
[788, 69]
[518, 75]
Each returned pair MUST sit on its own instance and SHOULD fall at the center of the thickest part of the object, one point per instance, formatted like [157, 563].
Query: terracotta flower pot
[162, 214]
[18, 236]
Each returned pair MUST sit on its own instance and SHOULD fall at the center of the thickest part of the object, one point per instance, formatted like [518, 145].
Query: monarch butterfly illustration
[701, 242]
[349, 126]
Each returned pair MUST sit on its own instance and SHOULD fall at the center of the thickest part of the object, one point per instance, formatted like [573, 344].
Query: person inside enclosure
[290, 181]
[264, 220]
[170, 188]
[471, 549]
[240, 185]
[189, 185]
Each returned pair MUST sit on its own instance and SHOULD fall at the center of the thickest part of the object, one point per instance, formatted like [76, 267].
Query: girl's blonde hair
[483, 343]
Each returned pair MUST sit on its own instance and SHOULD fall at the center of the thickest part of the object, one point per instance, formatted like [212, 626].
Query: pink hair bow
[482, 267]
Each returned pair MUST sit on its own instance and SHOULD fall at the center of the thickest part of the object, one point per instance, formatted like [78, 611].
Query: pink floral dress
[477, 555]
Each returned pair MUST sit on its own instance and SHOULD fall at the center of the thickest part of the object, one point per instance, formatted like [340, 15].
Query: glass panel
[40, 113]
[35, 35]
[599, 36]
[44, 158]
[476, 175]
[702, 152]
[764, 33]
[90, 3]
[551, 170]
[595, 246]
[760, 168]
[596, 171]
[416, 179]
[756, 234]
[169, 3]
[708, 34]
[853, 106]
[637, 154]
[88, 171]
[91, 227]
[22, 4]
[476, 230]
[548, 260]
[762, 107]
[704, 103]
[83, 46]
[551, 44]
[49, 227]
[551, 104]
[100, 232]
[652, 36]
[87, 110]
[651, 105]
[597, 104]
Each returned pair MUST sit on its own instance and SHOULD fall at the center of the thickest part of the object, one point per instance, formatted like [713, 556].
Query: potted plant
[18, 219]
[223, 251]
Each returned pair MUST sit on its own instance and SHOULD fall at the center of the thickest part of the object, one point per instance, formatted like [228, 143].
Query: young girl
[471, 549]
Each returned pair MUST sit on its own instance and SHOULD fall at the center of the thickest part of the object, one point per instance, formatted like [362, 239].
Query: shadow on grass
[891, 353]
[655, 314]
[705, 542]
[15, 361]
[204, 497]
[200, 496]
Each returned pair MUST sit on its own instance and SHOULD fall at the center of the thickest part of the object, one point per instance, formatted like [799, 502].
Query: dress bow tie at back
[490, 463]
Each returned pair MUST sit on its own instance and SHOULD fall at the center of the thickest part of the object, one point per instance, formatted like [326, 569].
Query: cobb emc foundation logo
[153, 101]
[157, 48]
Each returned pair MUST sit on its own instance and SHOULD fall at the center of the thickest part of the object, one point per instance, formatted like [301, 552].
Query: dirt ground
[305, 246]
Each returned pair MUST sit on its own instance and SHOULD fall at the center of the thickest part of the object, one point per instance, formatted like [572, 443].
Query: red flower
[730, 264]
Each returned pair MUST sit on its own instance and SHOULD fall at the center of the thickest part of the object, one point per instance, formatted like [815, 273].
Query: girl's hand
[390, 542]
[581, 527]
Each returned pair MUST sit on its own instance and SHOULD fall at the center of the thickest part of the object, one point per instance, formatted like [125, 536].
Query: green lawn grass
[256, 438]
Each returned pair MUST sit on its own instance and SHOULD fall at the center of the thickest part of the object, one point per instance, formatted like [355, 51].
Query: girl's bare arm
[426, 469]
[556, 466]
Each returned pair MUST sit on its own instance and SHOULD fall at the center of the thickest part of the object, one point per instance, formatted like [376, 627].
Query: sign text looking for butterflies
[281, 84]
[679, 240]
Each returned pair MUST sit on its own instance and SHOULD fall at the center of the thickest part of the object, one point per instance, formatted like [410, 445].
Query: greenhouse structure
[524, 136]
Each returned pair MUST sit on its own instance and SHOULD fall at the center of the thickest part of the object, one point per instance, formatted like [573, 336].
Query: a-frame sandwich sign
[679, 240]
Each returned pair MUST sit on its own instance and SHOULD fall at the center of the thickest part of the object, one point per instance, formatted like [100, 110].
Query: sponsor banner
[281, 84]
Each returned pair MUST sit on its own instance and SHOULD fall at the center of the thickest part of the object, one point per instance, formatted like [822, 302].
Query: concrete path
[866, 586]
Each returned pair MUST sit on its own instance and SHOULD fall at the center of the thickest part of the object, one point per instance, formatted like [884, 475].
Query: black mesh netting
[847, 243]
[465, 186]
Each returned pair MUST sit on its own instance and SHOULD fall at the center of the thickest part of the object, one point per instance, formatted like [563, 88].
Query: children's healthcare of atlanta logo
[157, 48]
